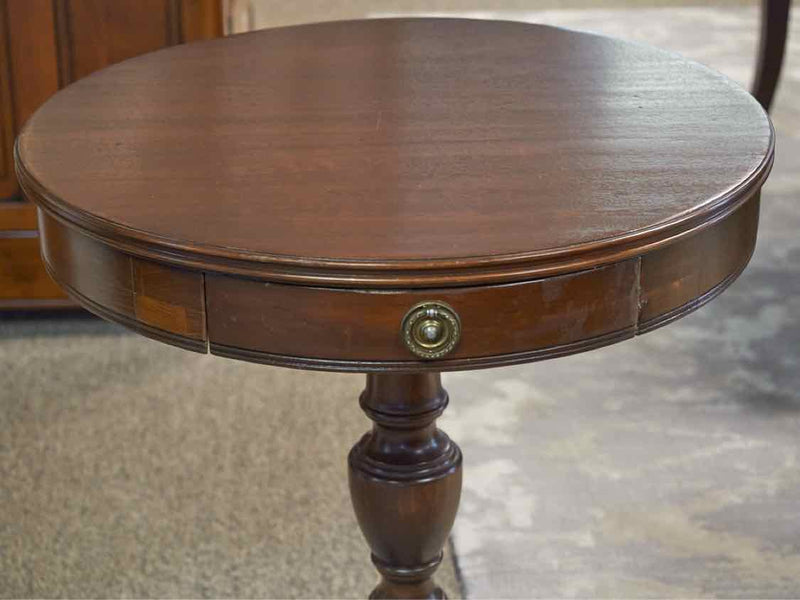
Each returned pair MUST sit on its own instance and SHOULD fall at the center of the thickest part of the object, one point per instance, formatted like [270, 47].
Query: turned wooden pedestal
[399, 198]
[405, 482]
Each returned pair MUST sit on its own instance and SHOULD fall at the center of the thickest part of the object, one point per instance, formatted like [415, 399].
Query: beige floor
[131, 469]
[258, 14]
[665, 466]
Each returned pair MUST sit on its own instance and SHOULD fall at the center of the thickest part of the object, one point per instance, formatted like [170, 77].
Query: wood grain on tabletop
[364, 145]
[560, 190]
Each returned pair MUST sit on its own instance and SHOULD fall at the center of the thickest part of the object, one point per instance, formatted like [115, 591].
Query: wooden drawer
[365, 326]
[361, 329]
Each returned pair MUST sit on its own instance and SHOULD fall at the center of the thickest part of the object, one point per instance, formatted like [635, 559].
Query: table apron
[360, 329]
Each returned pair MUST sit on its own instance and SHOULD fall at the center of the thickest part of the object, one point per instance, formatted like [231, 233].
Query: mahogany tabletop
[289, 195]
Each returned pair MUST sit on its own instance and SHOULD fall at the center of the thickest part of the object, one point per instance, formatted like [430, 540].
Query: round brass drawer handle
[431, 329]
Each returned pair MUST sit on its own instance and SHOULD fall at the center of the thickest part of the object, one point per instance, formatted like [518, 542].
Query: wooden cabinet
[46, 44]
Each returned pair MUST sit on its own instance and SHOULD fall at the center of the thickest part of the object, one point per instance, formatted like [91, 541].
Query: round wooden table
[398, 197]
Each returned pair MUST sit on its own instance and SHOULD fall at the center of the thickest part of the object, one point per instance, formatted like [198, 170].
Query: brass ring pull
[431, 329]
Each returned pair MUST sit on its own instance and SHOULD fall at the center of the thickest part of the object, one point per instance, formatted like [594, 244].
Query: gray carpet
[666, 466]
[133, 469]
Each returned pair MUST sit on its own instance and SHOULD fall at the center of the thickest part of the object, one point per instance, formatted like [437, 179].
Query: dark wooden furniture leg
[774, 24]
[405, 482]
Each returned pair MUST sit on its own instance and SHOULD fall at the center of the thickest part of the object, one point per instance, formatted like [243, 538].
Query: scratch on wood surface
[378, 120]
[204, 313]
[638, 291]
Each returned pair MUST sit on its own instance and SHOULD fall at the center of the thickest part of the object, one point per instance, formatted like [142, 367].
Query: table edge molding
[479, 270]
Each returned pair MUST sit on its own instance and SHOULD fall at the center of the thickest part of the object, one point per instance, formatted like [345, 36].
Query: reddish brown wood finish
[639, 168]
[397, 153]
[169, 299]
[288, 196]
[48, 44]
[359, 329]
[157, 300]
[16, 216]
[680, 277]
[405, 482]
[19, 275]
[364, 325]
[44, 45]
[93, 34]
[200, 19]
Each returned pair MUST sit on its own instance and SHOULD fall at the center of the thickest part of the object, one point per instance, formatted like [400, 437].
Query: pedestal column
[405, 482]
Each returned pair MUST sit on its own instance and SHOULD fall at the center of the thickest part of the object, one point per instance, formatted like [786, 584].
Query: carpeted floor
[666, 466]
[133, 469]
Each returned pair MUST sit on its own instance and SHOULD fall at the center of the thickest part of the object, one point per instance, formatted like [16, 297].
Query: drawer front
[366, 326]
[367, 330]
[157, 300]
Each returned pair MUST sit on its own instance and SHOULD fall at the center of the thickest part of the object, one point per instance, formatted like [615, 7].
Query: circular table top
[398, 152]
[440, 193]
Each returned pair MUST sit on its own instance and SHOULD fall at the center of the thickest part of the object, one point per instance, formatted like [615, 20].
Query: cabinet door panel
[32, 48]
[28, 74]
[95, 33]
[45, 45]
[23, 276]
[8, 184]
[200, 19]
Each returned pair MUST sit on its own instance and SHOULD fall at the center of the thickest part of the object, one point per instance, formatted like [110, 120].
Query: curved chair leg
[774, 25]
